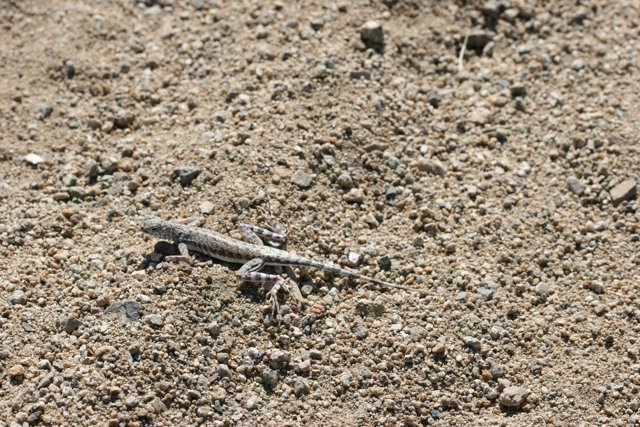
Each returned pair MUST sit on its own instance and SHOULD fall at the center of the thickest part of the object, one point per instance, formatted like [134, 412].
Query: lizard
[251, 252]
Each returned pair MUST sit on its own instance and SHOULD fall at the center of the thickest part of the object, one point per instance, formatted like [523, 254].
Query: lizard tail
[353, 275]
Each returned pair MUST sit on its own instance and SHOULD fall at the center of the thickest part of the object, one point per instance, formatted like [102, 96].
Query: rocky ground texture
[502, 182]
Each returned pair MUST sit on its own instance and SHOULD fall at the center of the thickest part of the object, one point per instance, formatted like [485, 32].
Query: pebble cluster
[484, 152]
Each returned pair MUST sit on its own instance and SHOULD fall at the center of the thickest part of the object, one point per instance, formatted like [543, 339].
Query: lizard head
[156, 227]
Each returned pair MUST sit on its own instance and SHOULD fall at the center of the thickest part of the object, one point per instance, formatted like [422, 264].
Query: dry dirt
[502, 185]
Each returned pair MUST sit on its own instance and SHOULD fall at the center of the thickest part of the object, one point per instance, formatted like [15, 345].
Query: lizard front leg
[254, 234]
[183, 257]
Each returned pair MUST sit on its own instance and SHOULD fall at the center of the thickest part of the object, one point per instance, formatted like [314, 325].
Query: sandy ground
[501, 183]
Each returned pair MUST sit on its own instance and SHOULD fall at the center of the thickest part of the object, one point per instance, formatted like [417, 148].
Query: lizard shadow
[162, 249]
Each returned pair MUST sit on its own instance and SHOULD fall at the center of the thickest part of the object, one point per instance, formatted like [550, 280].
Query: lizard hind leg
[249, 272]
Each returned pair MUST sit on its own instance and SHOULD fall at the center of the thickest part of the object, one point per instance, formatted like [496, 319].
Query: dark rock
[69, 324]
[186, 175]
[372, 35]
[478, 39]
[127, 311]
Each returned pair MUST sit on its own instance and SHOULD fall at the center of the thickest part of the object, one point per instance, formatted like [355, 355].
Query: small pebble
[91, 168]
[472, 343]
[513, 396]
[575, 186]
[496, 371]
[302, 179]
[252, 402]
[269, 377]
[578, 64]
[372, 34]
[300, 388]
[355, 195]
[33, 159]
[206, 208]
[626, 190]
[69, 324]
[18, 297]
[433, 167]
[186, 175]
[125, 310]
[16, 371]
[43, 111]
[155, 320]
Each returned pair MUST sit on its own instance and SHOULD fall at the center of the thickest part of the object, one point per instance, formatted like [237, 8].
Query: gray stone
[513, 396]
[345, 180]
[434, 97]
[524, 49]
[224, 371]
[472, 343]
[68, 324]
[186, 175]
[304, 367]
[346, 378]
[131, 402]
[155, 320]
[578, 64]
[269, 377]
[355, 195]
[626, 190]
[431, 166]
[486, 293]
[73, 122]
[575, 185]
[279, 359]
[302, 179]
[156, 406]
[253, 402]
[372, 34]
[17, 297]
[361, 332]
[391, 193]
[91, 168]
[123, 119]
[43, 111]
[300, 388]
[496, 371]
[204, 411]
[126, 310]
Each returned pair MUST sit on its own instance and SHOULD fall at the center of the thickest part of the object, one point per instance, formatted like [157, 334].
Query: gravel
[504, 188]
